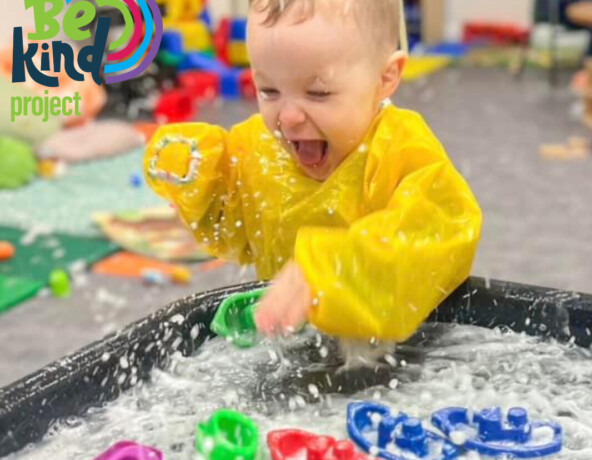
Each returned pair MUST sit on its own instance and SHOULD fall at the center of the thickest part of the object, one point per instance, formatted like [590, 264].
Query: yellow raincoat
[388, 236]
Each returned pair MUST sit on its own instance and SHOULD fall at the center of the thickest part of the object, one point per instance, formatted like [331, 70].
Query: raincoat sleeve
[384, 275]
[191, 165]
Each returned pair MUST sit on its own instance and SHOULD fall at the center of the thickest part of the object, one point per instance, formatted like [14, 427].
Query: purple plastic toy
[127, 450]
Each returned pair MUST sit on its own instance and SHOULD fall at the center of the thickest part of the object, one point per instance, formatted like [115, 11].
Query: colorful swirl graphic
[131, 60]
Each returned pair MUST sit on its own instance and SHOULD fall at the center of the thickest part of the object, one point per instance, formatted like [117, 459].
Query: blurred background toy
[18, 164]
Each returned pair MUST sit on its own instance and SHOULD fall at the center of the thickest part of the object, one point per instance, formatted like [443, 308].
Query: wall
[457, 12]
[220, 8]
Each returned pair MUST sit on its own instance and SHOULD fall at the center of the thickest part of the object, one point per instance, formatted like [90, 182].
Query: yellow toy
[237, 54]
[195, 34]
[182, 10]
[183, 16]
[389, 235]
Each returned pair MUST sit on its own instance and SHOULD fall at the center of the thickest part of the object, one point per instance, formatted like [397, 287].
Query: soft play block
[422, 66]
[129, 265]
[16, 290]
[35, 258]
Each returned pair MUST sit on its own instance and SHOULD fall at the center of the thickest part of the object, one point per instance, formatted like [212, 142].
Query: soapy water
[304, 383]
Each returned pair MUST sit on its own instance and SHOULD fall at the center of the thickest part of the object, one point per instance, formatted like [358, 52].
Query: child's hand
[286, 305]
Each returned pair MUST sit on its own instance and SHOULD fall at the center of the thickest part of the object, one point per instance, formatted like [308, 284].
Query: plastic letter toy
[235, 318]
[127, 450]
[228, 436]
[394, 437]
[296, 445]
[488, 433]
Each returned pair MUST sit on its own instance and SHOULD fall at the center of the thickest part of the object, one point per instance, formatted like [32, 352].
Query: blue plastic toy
[489, 434]
[230, 87]
[201, 61]
[398, 437]
[454, 50]
[172, 42]
[238, 30]
[136, 180]
[206, 17]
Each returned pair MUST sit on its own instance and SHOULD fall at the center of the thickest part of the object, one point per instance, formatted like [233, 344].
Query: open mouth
[310, 153]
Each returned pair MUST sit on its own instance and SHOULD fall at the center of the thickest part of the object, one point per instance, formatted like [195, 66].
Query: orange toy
[129, 265]
[6, 251]
[147, 129]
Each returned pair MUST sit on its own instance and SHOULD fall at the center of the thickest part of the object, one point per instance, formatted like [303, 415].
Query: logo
[41, 57]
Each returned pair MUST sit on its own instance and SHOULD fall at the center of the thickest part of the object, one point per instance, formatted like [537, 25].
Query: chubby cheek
[270, 115]
[346, 132]
[350, 121]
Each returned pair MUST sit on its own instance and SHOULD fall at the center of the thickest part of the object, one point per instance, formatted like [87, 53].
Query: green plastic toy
[59, 283]
[169, 59]
[17, 163]
[235, 318]
[228, 435]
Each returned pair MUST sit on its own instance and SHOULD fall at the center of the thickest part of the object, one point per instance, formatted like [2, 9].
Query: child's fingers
[296, 312]
[273, 309]
[267, 315]
[264, 319]
[285, 306]
[299, 303]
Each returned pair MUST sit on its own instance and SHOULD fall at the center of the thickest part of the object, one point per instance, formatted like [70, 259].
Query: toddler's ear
[392, 73]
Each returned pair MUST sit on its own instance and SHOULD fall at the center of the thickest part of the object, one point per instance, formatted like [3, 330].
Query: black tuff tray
[93, 375]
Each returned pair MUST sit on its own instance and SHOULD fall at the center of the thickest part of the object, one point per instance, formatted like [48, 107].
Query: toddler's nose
[291, 116]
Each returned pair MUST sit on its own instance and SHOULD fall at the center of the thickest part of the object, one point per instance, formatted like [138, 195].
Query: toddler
[352, 205]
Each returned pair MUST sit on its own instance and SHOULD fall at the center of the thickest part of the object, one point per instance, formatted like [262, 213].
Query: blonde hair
[384, 18]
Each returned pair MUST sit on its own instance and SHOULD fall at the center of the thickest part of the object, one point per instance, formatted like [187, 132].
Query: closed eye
[268, 93]
[319, 94]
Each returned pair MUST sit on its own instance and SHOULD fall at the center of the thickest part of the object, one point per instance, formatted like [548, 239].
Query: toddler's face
[318, 84]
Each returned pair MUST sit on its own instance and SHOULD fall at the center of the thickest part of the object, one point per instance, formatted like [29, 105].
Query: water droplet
[273, 356]
[390, 359]
[178, 319]
[300, 402]
[458, 438]
[313, 390]
[123, 362]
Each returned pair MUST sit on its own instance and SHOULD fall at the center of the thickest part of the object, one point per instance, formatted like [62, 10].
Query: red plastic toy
[247, 85]
[496, 33]
[221, 40]
[175, 106]
[201, 85]
[296, 444]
